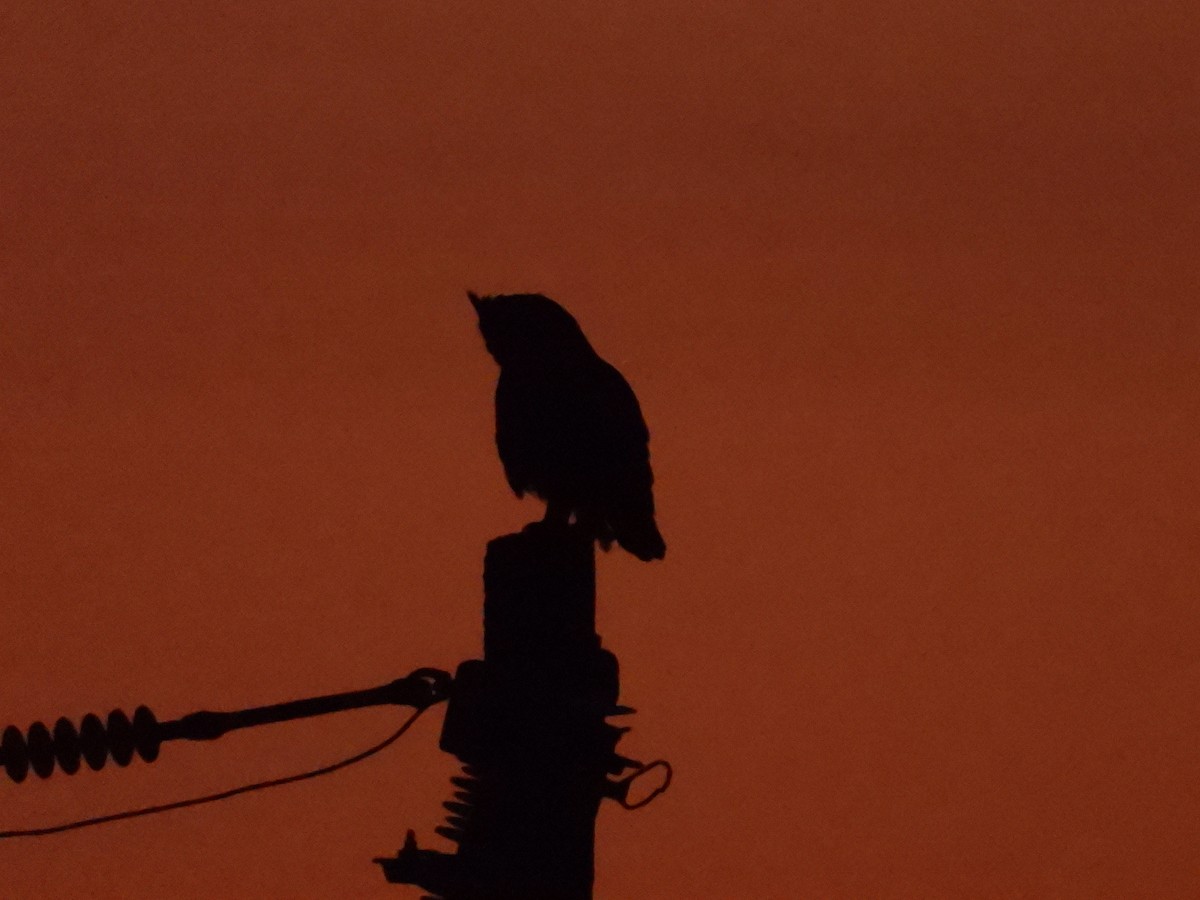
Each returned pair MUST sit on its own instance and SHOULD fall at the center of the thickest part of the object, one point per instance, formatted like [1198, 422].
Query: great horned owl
[568, 426]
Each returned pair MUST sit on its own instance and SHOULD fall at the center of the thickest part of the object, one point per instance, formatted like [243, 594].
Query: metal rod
[420, 689]
[121, 737]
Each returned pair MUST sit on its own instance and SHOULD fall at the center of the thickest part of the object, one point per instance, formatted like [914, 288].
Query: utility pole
[528, 722]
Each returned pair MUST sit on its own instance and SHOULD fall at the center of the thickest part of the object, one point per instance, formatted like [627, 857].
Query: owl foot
[557, 515]
[544, 525]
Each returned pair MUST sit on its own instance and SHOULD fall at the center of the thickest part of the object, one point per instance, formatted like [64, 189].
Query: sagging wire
[222, 795]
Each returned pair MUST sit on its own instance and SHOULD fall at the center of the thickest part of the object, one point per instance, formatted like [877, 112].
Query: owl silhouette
[568, 426]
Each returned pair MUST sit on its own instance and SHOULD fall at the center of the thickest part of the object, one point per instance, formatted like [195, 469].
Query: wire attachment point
[619, 790]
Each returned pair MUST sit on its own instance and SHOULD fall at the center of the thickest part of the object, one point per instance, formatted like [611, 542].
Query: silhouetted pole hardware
[528, 722]
[120, 736]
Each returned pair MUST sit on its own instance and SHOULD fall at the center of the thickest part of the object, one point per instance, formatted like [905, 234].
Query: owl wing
[618, 451]
[613, 419]
[626, 504]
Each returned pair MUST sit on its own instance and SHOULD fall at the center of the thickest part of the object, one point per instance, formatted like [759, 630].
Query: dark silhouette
[121, 737]
[528, 724]
[529, 720]
[568, 426]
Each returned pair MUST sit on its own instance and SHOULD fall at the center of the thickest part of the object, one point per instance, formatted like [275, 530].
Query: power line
[223, 795]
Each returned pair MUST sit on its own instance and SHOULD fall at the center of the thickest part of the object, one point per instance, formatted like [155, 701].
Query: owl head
[529, 330]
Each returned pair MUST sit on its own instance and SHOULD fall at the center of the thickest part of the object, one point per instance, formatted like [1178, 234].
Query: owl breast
[546, 441]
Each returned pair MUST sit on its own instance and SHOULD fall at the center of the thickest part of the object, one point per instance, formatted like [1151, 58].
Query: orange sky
[909, 293]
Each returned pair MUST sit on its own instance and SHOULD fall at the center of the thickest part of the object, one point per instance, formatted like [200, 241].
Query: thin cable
[623, 796]
[223, 795]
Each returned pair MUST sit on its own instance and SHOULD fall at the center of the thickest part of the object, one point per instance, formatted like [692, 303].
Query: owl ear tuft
[475, 301]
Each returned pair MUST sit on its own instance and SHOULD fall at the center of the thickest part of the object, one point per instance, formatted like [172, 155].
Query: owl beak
[475, 301]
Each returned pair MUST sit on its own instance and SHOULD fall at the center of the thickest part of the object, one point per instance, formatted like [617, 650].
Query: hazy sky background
[908, 292]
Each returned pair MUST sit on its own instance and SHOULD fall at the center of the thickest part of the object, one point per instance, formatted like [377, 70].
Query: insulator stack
[462, 809]
[93, 742]
[528, 721]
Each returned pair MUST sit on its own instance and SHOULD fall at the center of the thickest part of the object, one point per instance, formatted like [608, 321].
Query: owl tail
[642, 539]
